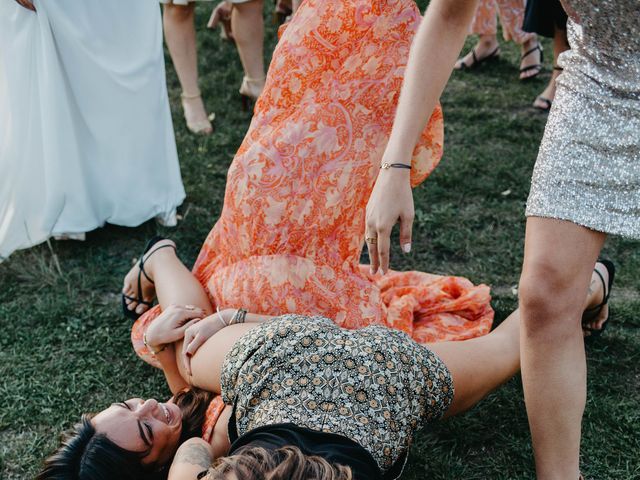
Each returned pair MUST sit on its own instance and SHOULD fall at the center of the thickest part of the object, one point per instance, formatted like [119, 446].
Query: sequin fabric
[375, 385]
[588, 167]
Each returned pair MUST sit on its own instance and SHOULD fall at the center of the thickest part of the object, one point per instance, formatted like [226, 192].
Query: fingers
[383, 250]
[190, 348]
[406, 226]
[372, 247]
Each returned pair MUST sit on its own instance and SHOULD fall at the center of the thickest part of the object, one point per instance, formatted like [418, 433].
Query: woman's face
[144, 426]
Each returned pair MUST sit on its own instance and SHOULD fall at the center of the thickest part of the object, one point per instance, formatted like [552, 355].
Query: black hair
[85, 454]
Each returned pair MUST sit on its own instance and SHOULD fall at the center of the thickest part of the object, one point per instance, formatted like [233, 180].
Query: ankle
[158, 255]
[487, 41]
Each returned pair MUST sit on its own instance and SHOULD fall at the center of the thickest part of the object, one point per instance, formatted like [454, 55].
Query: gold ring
[372, 240]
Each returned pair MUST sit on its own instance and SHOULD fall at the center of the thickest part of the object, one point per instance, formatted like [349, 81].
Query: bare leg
[180, 35]
[530, 59]
[559, 257]
[247, 25]
[173, 283]
[560, 44]
[480, 365]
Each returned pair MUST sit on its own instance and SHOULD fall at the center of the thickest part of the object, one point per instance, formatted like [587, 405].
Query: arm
[192, 458]
[209, 327]
[435, 49]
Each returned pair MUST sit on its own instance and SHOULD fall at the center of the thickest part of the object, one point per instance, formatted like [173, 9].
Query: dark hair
[285, 463]
[85, 454]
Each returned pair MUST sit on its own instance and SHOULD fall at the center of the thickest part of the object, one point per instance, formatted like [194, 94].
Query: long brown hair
[286, 463]
[85, 454]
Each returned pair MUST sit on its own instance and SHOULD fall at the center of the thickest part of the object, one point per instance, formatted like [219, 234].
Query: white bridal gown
[85, 128]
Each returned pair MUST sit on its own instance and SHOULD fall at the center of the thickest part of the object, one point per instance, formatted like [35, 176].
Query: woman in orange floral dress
[289, 236]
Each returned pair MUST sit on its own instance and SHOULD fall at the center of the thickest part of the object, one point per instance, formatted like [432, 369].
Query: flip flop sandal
[537, 66]
[476, 62]
[596, 332]
[132, 313]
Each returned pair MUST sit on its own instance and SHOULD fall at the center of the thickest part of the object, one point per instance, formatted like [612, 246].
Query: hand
[391, 200]
[27, 4]
[197, 334]
[171, 324]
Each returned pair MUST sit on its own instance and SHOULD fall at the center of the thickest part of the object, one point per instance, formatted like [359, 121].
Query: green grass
[65, 349]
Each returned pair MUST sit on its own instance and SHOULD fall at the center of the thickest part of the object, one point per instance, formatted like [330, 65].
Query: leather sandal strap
[529, 52]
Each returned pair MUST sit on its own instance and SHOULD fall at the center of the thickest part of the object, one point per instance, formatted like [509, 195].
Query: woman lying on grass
[303, 397]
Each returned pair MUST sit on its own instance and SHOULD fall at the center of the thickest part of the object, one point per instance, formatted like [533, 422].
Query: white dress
[85, 127]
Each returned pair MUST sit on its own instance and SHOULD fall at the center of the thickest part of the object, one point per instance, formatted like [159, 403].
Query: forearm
[434, 51]
[193, 457]
[167, 359]
[257, 318]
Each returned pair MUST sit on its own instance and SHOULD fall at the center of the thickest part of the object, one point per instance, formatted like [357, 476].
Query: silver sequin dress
[588, 167]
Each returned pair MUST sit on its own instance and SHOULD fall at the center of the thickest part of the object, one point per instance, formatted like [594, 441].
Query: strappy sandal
[547, 102]
[250, 90]
[606, 286]
[126, 299]
[537, 66]
[476, 62]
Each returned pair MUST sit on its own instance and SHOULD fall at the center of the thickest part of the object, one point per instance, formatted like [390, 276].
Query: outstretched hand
[391, 201]
[27, 4]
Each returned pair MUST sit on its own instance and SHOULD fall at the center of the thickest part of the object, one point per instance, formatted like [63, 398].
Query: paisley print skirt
[375, 385]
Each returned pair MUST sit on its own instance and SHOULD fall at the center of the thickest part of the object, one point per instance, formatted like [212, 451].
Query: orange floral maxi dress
[290, 233]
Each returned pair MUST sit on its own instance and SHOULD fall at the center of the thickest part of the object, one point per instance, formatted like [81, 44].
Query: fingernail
[406, 247]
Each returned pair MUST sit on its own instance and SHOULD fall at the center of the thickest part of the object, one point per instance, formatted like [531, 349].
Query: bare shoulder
[192, 458]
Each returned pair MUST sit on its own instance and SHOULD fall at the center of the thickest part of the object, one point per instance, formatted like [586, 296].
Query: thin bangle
[387, 166]
[146, 344]
[219, 317]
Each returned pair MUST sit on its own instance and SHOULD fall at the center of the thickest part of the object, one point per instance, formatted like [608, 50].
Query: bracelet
[219, 317]
[238, 317]
[387, 166]
[155, 352]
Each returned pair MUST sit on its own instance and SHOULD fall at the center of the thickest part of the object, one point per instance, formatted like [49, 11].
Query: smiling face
[144, 426]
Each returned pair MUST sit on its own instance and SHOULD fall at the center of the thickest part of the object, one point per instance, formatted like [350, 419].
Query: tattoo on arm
[194, 454]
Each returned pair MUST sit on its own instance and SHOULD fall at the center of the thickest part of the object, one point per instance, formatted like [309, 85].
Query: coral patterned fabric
[291, 230]
[511, 13]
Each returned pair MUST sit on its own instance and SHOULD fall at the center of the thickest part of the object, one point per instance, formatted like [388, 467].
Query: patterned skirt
[375, 385]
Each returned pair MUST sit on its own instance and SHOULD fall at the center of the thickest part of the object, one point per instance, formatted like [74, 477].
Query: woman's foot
[530, 59]
[594, 320]
[138, 284]
[195, 115]
[486, 49]
[545, 99]
[250, 90]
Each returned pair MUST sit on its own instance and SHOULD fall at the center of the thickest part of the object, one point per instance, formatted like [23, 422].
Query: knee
[178, 13]
[548, 294]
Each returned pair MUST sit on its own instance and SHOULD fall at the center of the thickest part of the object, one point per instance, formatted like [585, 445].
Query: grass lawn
[65, 348]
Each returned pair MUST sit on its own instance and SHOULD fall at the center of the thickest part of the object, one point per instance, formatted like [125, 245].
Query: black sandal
[611, 269]
[546, 101]
[132, 313]
[479, 61]
[536, 66]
